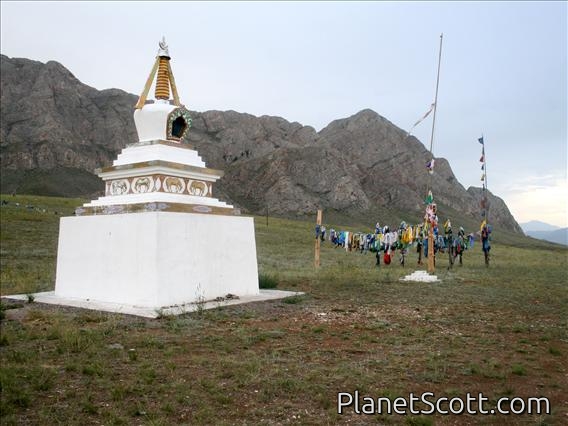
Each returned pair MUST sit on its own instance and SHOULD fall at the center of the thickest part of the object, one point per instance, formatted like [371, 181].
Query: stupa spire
[164, 81]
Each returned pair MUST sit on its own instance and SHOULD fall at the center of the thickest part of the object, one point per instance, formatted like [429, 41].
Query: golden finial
[163, 80]
[163, 51]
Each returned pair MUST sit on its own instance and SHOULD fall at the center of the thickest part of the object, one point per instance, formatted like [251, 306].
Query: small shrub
[293, 300]
[71, 368]
[90, 370]
[267, 281]
[419, 421]
[89, 407]
[132, 355]
[554, 351]
[91, 317]
[119, 393]
[20, 398]
[519, 370]
[75, 341]
[199, 301]
[43, 379]
[30, 297]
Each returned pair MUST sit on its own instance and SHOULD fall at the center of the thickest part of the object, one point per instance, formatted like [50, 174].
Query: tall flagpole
[485, 181]
[431, 256]
[436, 95]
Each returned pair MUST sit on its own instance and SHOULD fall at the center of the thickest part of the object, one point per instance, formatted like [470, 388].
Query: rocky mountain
[55, 131]
[498, 210]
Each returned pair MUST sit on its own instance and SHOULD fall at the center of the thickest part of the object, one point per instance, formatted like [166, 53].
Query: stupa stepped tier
[160, 172]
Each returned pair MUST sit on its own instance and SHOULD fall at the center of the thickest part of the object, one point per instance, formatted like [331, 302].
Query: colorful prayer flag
[423, 117]
[483, 225]
[482, 158]
[482, 166]
[430, 166]
[429, 198]
[480, 140]
[482, 178]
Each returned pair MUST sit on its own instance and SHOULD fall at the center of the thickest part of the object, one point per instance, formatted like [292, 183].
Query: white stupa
[159, 172]
[157, 237]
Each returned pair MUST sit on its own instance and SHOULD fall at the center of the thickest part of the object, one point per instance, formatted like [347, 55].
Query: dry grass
[502, 331]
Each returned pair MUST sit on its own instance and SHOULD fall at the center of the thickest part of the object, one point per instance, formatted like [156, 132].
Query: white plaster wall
[151, 120]
[110, 258]
[138, 154]
[218, 257]
[156, 259]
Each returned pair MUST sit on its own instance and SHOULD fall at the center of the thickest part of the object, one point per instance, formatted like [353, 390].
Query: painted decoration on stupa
[118, 187]
[158, 183]
[142, 185]
[174, 184]
[197, 187]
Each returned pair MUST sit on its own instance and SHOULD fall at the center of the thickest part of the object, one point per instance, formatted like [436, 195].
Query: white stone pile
[420, 276]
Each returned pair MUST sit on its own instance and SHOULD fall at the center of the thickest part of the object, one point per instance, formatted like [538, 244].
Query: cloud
[533, 183]
[543, 198]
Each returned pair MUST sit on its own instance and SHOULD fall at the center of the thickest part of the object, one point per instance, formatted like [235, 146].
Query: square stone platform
[155, 260]
[51, 298]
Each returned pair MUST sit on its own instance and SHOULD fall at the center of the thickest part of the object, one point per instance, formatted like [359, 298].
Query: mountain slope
[57, 130]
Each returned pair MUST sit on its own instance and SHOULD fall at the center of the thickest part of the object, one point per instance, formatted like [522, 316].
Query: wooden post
[431, 268]
[317, 253]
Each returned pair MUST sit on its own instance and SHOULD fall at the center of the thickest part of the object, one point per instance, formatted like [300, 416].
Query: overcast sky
[504, 72]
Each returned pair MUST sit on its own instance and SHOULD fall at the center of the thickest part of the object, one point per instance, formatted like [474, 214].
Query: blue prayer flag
[481, 140]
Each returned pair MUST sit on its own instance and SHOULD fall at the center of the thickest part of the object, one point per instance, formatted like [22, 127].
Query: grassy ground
[501, 330]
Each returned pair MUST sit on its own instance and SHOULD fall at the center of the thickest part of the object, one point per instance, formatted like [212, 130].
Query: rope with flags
[485, 228]
[421, 119]
[484, 205]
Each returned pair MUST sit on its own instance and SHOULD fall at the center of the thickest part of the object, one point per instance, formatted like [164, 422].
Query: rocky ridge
[52, 125]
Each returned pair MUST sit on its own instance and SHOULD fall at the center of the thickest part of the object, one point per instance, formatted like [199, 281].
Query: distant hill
[537, 225]
[56, 130]
[545, 231]
[559, 236]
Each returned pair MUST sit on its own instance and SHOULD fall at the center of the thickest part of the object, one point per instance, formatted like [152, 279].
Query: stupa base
[156, 259]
